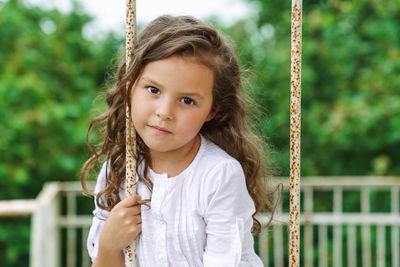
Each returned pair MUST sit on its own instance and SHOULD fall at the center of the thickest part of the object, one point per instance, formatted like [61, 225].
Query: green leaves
[49, 77]
[350, 83]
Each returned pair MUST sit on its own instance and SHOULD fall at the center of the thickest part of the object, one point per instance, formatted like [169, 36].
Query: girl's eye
[187, 101]
[153, 90]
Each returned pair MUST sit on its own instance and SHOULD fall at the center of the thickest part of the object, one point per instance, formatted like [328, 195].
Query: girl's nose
[165, 110]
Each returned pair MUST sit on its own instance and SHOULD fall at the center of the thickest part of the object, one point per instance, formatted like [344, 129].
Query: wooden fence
[345, 221]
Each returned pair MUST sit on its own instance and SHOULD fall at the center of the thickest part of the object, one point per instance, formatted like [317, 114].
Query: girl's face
[171, 100]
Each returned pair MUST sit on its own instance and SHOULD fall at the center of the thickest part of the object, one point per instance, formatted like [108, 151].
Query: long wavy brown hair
[230, 129]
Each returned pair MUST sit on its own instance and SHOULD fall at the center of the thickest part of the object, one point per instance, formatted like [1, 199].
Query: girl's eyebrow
[152, 82]
[192, 94]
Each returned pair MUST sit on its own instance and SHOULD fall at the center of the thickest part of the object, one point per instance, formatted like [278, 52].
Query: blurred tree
[350, 83]
[50, 75]
[350, 87]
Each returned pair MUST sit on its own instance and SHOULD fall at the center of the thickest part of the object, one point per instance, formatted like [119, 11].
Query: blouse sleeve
[228, 218]
[99, 219]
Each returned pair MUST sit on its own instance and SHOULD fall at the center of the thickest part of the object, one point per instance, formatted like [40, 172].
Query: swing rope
[130, 133]
[295, 127]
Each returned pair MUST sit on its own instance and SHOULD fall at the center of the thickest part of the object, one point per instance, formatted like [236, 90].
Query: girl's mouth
[160, 130]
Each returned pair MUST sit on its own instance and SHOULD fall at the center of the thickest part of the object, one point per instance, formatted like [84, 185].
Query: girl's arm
[122, 227]
[108, 258]
[228, 218]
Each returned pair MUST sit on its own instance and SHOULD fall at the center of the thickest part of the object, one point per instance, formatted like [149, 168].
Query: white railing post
[365, 229]
[85, 256]
[45, 239]
[395, 228]
[278, 239]
[71, 231]
[351, 245]
[323, 245]
[308, 227]
[337, 229]
[278, 246]
[380, 259]
[263, 247]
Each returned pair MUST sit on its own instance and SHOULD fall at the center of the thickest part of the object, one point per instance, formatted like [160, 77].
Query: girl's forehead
[177, 62]
[177, 66]
[188, 58]
[205, 58]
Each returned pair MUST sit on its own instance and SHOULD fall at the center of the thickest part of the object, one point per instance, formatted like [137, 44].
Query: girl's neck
[174, 162]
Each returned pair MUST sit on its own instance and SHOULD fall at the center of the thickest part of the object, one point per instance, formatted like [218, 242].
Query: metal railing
[338, 235]
[55, 224]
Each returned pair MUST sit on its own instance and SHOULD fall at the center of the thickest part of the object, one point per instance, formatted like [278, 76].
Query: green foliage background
[50, 74]
[350, 83]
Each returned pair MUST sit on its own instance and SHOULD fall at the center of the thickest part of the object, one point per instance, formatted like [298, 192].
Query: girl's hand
[122, 226]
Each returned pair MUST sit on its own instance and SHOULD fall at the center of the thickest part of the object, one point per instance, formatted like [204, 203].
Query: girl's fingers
[133, 211]
[136, 211]
[138, 229]
[130, 201]
[144, 201]
[136, 197]
[138, 219]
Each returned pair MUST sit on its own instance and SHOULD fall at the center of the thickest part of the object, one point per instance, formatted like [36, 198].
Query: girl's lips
[160, 130]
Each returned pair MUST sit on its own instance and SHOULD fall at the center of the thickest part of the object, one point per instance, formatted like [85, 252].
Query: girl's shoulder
[215, 156]
[101, 181]
[221, 179]
[218, 164]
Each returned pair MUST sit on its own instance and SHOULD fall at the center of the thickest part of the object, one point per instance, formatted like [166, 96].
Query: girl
[198, 161]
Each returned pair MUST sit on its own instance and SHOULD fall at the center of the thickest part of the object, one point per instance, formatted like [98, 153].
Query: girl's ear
[212, 114]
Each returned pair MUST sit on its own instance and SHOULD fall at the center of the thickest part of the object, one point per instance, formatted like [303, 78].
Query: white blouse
[202, 217]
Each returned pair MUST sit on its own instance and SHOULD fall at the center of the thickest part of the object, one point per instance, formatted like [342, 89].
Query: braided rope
[130, 133]
[295, 120]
